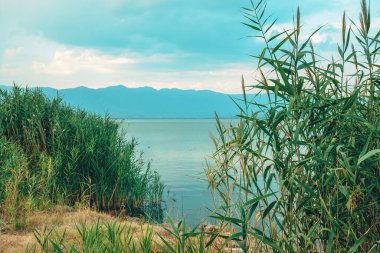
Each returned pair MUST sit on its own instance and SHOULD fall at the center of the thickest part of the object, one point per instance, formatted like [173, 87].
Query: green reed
[298, 174]
[52, 153]
[110, 237]
[301, 173]
[106, 236]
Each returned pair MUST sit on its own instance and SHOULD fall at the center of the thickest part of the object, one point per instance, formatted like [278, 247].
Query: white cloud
[226, 78]
[327, 33]
[139, 3]
[330, 19]
[47, 63]
[375, 23]
[11, 52]
[36, 61]
[66, 62]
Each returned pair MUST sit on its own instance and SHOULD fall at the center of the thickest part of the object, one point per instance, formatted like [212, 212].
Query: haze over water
[177, 149]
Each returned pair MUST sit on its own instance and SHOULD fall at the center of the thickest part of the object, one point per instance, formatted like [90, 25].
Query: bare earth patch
[62, 219]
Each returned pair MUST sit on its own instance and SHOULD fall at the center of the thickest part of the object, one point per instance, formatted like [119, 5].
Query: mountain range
[146, 102]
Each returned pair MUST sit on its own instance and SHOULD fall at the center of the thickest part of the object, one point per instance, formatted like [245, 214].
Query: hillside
[146, 102]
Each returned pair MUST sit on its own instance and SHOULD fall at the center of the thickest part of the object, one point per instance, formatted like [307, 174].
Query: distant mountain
[146, 102]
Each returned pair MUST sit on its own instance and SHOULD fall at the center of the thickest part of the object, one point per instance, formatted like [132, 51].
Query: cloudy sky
[194, 44]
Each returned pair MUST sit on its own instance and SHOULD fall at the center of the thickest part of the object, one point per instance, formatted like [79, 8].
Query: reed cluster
[51, 153]
[301, 174]
[297, 174]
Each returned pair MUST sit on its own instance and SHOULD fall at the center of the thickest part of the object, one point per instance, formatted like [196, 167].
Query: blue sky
[197, 44]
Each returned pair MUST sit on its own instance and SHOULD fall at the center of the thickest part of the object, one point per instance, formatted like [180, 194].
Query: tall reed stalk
[301, 173]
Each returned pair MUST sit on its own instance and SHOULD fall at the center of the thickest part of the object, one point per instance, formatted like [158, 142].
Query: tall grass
[54, 154]
[302, 173]
[298, 175]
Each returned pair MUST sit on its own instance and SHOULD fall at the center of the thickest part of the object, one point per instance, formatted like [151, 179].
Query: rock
[209, 228]
[232, 250]
[133, 219]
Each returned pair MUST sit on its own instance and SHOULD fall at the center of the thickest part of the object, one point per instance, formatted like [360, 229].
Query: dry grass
[64, 219]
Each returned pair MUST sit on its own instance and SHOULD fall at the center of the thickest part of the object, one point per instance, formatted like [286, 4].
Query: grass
[301, 174]
[54, 154]
[298, 175]
[85, 229]
[64, 229]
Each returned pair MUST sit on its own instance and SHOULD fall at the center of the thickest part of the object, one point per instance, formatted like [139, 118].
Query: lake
[178, 149]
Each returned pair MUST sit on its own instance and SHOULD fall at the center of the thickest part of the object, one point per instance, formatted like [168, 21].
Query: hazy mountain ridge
[146, 102]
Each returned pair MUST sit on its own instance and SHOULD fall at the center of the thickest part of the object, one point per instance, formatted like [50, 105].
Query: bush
[302, 173]
[54, 154]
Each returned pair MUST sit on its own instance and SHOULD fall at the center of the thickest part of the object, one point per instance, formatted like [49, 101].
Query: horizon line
[122, 85]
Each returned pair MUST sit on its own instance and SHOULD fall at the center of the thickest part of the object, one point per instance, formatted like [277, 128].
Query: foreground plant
[98, 237]
[305, 167]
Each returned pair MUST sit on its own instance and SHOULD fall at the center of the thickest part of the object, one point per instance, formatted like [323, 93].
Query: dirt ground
[15, 241]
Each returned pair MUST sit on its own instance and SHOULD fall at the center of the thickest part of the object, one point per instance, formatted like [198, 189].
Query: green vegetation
[299, 175]
[53, 154]
[302, 174]
[113, 236]
[99, 237]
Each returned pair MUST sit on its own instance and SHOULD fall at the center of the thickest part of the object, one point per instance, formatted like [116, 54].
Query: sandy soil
[14, 241]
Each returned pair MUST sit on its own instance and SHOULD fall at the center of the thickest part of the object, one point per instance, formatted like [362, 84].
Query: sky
[194, 44]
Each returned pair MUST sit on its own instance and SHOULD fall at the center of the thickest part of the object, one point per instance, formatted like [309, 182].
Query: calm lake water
[178, 149]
